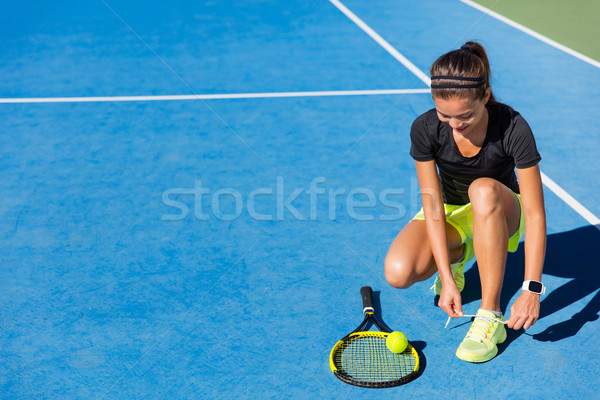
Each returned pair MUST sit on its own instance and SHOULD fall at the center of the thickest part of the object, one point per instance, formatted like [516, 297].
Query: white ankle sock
[498, 314]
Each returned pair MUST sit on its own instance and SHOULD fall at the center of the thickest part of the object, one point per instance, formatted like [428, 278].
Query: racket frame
[369, 313]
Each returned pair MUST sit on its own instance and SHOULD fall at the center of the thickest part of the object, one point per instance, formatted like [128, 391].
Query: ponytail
[469, 62]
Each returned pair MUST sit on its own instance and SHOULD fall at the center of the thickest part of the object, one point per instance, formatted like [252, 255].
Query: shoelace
[456, 268]
[480, 328]
[476, 316]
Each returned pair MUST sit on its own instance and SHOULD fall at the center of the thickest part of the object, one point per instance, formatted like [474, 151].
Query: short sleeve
[521, 144]
[421, 148]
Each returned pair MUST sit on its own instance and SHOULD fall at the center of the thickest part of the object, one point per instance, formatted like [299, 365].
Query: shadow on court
[573, 255]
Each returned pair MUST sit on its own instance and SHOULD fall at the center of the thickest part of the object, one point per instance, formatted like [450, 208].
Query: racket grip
[367, 297]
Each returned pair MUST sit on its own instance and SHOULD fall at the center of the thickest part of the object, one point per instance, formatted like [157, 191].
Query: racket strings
[366, 358]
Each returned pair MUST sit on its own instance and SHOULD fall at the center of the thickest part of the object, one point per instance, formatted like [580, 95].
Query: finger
[449, 310]
[445, 305]
[513, 318]
[458, 307]
[529, 323]
[456, 313]
[513, 322]
[520, 322]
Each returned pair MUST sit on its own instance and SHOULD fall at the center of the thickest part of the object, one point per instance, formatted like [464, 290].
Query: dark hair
[470, 61]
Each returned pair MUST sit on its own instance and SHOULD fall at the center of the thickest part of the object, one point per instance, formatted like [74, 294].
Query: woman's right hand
[450, 300]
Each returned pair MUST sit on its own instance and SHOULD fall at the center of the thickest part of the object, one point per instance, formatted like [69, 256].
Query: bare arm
[435, 220]
[525, 311]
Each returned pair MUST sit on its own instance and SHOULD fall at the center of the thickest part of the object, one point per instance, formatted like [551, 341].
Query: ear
[488, 93]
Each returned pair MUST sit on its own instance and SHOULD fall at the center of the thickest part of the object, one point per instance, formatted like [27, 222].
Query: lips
[461, 129]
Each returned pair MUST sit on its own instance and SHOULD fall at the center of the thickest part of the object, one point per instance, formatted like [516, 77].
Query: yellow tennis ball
[396, 342]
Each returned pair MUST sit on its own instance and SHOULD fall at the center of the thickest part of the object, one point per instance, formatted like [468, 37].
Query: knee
[398, 273]
[485, 196]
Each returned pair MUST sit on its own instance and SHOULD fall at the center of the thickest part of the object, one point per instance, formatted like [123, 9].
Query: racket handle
[367, 297]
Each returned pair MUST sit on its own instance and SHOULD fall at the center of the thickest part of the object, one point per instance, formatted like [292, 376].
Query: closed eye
[463, 116]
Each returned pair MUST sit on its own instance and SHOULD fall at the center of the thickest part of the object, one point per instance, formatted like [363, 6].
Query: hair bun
[468, 61]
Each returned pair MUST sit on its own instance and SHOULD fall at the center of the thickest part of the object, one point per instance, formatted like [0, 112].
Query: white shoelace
[476, 316]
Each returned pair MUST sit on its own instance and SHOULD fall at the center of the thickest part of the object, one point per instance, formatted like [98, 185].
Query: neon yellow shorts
[461, 218]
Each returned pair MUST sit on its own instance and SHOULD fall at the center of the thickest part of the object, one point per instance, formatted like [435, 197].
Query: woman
[474, 206]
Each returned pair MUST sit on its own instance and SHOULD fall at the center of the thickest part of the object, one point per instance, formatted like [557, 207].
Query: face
[463, 115]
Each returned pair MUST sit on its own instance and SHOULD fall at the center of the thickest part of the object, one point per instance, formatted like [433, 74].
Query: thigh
[484, 192]
[411, 251]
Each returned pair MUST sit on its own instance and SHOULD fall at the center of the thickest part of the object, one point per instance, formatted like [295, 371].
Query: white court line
[213, 96]
[550, 184]
[382, 42]
[532, 33]
[571, 201]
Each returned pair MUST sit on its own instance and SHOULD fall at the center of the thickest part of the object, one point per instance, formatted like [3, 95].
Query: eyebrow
[461, 115]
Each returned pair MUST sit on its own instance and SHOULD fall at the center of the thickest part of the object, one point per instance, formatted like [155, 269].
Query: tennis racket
[362, 358]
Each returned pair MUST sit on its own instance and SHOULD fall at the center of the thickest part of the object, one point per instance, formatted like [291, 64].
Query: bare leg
[496, 217]
[409, 258]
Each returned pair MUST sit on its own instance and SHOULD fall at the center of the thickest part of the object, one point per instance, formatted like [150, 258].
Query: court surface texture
[193, 194]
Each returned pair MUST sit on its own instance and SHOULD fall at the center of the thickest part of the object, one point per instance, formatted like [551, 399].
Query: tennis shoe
[480, 343]
[458, 271]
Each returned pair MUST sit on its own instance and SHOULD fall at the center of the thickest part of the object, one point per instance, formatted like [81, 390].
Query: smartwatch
[534, 287]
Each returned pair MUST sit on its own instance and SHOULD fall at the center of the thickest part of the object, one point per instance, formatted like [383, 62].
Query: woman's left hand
[525, 312]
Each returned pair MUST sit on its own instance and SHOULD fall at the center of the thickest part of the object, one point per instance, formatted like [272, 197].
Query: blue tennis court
[193, 195]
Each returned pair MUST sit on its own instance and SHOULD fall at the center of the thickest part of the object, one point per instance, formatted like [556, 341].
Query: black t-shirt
[509, 142]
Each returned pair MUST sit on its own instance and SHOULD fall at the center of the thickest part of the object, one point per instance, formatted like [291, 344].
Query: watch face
[535, 287]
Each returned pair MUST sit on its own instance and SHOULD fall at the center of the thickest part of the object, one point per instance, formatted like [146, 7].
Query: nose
[454, 123]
